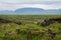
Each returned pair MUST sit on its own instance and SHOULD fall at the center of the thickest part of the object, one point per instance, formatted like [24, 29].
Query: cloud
[30, 1]
[15, 4]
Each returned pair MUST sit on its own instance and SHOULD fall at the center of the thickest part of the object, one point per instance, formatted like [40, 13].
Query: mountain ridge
[31, 10]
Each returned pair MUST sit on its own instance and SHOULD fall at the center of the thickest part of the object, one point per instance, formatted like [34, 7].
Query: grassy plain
[29, 24]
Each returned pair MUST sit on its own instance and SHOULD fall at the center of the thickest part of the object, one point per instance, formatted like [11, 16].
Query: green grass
[28, 25]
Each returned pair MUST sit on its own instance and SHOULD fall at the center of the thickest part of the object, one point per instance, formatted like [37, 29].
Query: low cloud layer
[15, 4]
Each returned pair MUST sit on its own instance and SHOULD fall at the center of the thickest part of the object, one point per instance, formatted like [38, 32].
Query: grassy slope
[28, 19]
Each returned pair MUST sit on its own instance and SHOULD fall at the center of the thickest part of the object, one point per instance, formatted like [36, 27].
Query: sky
[15, 4]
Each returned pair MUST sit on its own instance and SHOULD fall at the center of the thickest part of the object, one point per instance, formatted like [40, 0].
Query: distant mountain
[37, 10]
[31, 11]
[54, 10]
[6, 12]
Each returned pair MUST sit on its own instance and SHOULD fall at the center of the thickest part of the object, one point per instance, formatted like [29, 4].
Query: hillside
[28, 27]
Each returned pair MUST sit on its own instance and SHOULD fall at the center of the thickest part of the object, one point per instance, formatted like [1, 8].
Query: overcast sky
[15, 4]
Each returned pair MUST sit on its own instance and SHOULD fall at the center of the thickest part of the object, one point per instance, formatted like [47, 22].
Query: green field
[29, 29]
